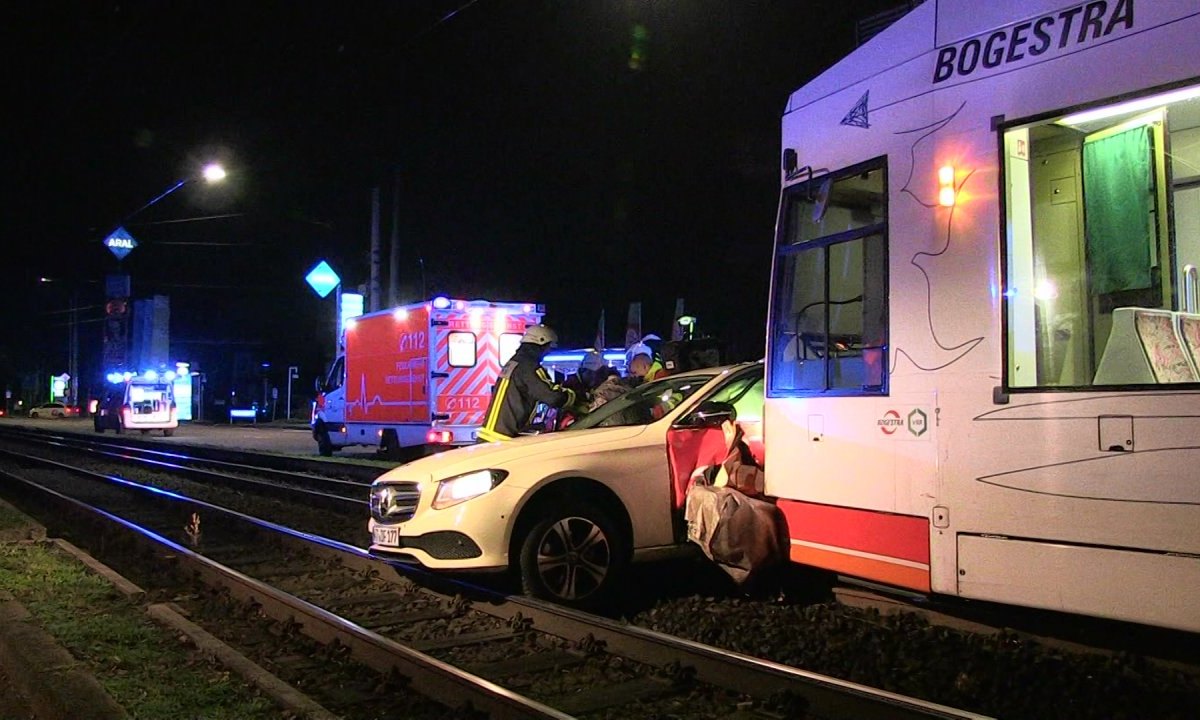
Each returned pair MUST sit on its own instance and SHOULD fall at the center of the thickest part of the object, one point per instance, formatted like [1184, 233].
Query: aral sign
[120, 243]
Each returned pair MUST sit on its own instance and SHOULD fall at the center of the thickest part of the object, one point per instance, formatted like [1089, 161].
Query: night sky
[578, 153]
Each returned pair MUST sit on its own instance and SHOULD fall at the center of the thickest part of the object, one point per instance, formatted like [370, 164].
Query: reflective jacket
[656, 371]
[523, 383]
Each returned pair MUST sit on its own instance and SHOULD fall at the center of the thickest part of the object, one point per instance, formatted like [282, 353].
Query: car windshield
[645, 404]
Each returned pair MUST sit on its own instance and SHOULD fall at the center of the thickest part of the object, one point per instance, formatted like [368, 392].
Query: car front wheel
[573, 555]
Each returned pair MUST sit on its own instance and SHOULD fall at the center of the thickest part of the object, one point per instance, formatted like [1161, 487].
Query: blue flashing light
[150, 375]
[563, 357]
[614, 356]
[441, 302]
[169, 376]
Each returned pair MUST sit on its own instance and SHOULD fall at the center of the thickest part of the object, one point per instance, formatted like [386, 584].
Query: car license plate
[387, 536]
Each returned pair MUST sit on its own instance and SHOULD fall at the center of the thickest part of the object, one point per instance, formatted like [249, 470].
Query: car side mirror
[318, 386]
[711, 413]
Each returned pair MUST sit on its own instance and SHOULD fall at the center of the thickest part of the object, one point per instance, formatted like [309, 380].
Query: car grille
[394, 502]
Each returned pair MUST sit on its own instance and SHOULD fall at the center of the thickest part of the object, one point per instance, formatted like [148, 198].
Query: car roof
[718, 370]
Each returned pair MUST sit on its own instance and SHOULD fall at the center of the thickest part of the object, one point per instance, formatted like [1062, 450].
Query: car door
[692, 445]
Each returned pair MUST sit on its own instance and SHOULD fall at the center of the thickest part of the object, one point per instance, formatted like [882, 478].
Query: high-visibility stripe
[492, 436]
[497, 401]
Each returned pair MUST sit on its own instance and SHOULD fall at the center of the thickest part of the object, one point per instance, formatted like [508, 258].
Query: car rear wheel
[574, 555]
[168, 432]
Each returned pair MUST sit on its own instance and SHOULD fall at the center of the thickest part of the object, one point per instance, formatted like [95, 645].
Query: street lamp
[212, 173]
[293, 373]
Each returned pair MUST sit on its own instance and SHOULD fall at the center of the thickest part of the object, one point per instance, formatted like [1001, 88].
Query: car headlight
[452, 491]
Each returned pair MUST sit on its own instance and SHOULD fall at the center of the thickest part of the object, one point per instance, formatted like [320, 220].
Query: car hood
[510, 453]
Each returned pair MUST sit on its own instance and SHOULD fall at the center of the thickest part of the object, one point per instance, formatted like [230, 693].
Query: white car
[568, 510]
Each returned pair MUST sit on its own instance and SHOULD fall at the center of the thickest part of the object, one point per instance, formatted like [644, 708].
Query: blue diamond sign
[120, 242]
[322, 278]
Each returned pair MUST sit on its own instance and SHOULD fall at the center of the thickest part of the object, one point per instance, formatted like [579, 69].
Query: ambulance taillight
[439, 437]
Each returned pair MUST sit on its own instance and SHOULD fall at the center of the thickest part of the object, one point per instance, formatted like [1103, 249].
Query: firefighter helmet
[591, 360]
[540, 335]
[638, 349]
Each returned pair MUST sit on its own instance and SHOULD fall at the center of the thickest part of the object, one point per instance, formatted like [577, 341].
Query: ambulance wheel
[145, 432]
[573, 555]
[168, 432]
[324, 445]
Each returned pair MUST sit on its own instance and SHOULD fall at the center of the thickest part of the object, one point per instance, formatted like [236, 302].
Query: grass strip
[151, 673]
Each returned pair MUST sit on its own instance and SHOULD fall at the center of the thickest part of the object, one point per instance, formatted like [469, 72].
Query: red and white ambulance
[419, 374]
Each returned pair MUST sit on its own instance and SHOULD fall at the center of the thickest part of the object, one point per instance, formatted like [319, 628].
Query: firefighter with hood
[523, 383]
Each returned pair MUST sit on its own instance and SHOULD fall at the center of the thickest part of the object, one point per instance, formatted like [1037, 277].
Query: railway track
[463, 646]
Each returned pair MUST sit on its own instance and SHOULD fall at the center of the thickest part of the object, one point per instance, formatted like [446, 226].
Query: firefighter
[523, 383]
[641, 364]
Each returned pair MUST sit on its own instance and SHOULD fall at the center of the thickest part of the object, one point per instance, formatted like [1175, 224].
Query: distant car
[568, 509]
[51, 409]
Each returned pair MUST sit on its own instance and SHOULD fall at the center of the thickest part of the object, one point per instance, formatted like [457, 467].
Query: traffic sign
[322, 278]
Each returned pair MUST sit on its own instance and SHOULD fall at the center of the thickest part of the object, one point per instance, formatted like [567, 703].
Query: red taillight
[439, 437]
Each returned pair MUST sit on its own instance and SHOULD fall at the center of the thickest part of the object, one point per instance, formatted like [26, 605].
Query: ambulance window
[461, 349]
[337, 374]
[829, 311]
[1102, 232]
[509, 342]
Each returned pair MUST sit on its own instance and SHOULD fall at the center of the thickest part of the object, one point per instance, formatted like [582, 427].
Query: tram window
[829, 310]
[1103, 242]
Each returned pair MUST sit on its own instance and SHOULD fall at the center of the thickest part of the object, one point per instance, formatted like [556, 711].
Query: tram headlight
[452, 491]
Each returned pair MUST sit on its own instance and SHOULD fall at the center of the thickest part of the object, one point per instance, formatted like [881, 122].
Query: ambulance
[418, 376]
[983, 352]
[144, 401]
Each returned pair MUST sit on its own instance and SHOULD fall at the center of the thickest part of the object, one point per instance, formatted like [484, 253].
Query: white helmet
[638, 349]
[591, 360]
[540, 335]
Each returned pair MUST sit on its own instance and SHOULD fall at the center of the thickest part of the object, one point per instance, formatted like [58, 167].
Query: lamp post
[293, 373]
[212, 173]
[118, 290]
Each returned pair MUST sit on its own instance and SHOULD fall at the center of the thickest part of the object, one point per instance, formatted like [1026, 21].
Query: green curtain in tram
[1118, 201]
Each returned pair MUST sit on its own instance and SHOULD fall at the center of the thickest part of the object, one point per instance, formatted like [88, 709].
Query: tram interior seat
[1188, 326]
[1147, 347]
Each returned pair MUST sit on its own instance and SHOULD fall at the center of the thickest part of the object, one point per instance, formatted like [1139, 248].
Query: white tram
[983, 361]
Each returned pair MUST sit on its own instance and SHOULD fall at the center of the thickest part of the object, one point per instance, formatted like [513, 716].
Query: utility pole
[73, 349]
[394, 257]
[376, 252]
